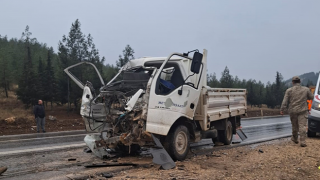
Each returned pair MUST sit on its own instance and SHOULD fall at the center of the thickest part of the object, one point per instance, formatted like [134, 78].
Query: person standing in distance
[295, 101]
[40, 115]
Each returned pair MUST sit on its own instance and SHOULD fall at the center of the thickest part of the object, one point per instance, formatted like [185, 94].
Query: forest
[34, 71]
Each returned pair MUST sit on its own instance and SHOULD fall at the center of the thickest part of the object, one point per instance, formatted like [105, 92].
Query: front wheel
[177, 143]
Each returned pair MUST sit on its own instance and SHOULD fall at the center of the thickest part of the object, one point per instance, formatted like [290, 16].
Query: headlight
[316, 105]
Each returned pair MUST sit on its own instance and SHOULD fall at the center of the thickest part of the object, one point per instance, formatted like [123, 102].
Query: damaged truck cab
[163, 98]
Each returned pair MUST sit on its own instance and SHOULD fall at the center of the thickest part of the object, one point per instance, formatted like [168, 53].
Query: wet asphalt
[255, 129]
[264, 128]
[259, 129]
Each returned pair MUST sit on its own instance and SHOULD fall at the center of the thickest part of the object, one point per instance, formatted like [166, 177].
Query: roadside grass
[11, 107]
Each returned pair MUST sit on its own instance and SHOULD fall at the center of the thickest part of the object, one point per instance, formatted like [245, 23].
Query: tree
[4, 83]
[4, 79]
[109, 72]
[309, 83]
[75, 48]
[213, 81]
[226, 80]
[279, 89]
[49, 79]
[41, 80]
[27, 84]
[127, 56]
[252, 94]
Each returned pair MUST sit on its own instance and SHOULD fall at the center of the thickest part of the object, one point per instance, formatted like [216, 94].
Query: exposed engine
[118, 113]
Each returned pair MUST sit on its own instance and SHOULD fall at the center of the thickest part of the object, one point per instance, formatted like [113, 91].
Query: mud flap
[161, 156]
[241, 134]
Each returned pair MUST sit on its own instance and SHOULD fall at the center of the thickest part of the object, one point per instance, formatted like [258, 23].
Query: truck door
[174, 92]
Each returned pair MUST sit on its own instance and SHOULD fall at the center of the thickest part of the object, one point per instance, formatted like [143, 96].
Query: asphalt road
[32, 156]
[255, 129]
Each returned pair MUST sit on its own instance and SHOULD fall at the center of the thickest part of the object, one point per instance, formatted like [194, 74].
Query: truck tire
[225, 136]
[177, 142]
[311, 134]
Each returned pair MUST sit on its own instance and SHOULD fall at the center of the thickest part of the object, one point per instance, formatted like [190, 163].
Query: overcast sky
[254, 38]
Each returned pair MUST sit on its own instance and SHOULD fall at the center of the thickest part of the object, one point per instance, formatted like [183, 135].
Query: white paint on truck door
[165, 109]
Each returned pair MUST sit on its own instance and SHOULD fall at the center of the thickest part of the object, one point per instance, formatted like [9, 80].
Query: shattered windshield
[130, 80]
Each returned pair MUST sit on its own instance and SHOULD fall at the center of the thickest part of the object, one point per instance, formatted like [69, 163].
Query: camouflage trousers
[299, 122]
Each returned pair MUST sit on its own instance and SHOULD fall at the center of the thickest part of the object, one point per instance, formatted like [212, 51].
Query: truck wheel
[225, 136]
[311, 134]
[177, 143]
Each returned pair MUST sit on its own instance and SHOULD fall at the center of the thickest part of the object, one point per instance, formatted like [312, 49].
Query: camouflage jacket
[295, 99]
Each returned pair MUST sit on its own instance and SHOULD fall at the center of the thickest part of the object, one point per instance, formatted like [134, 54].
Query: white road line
[29, 139]
[47, 133]
[259, 125]
[42, 149]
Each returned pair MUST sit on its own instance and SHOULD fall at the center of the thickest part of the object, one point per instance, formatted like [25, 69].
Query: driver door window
[169, 79]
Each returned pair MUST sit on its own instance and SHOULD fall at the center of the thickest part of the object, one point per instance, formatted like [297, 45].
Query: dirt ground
[27, 126]
[16, 119]
[278, 159]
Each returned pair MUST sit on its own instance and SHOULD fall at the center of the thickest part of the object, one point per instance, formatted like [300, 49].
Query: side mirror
[196, 62]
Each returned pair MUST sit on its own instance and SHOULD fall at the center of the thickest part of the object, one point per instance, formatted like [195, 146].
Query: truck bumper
[314, 123]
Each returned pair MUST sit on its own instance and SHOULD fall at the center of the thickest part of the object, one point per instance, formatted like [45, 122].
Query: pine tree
[4, 83]
[41, 80]
[74, 48]
[251, 97]
[279, 89]
[50, 87]
[27, 91]
[213, 81]
[226, 80]
[127, 56]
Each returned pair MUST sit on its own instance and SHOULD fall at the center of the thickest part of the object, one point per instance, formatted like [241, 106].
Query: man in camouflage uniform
[295, 100]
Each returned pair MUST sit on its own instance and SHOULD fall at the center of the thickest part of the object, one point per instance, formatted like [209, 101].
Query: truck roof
[141, 61]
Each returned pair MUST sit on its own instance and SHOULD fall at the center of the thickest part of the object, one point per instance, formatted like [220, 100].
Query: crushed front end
[116, 117]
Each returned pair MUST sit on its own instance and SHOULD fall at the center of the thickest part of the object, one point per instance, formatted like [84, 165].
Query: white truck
[314, 116]
[160, 100]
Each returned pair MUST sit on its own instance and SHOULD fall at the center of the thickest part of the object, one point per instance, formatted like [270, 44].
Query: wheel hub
[181, 142]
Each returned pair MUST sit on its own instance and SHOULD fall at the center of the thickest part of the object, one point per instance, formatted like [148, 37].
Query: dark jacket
[39, 111]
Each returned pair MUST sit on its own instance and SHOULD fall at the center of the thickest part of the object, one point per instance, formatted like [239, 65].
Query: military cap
[295, 78]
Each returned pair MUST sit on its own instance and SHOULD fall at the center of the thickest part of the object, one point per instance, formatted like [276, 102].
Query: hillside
[305, 78]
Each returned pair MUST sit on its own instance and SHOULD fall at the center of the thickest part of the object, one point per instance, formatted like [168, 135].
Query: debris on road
[109, 165]
[87, 150]
[72, 159]
[261, 151]
[106, 175]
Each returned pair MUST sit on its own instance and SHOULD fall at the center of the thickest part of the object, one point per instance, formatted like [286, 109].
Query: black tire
[311, 133]
[177, 143]
[225, 136]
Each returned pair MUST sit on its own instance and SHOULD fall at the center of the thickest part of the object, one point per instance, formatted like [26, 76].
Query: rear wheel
[225, 136]
[311, 134]
[177, 142]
